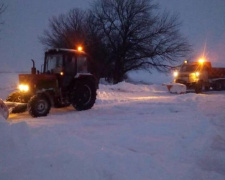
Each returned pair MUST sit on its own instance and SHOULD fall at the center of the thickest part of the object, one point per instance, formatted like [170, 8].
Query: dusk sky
[203, 24]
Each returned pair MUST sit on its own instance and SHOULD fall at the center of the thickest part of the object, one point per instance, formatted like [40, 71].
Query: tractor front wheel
[39, 105]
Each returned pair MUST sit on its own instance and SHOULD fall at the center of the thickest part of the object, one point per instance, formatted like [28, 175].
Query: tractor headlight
[23, 87]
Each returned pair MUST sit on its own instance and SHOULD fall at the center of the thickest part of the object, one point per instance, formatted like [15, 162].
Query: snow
[134, 131]
[176, 88]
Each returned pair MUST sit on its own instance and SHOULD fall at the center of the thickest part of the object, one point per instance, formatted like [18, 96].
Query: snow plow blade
[4, 111]
[176, 88]
[11, 107]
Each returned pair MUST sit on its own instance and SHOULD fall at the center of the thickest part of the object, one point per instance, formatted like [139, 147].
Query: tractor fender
[47, 95]
[86, 77]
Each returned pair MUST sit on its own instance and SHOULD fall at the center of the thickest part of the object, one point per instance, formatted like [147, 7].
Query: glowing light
[61, 73]
[175, 73]
[201, 60]
[185, 62]
[23, 87]
[80, 48]
[197, 74]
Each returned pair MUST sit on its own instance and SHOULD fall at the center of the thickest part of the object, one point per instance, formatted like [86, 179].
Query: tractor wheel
[84, 95]
[16, 97]
[38, 106]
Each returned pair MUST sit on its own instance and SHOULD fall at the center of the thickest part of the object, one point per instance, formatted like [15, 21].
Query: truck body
[200, 76]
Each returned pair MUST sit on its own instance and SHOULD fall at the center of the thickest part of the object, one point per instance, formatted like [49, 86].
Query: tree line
[120, 36]
[2, 9]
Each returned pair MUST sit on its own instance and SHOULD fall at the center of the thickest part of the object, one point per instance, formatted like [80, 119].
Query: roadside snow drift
[133, 132]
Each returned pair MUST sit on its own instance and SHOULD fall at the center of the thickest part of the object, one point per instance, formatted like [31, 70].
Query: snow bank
[132, 132]
[149, 78]
[129, 87]
[13, 140]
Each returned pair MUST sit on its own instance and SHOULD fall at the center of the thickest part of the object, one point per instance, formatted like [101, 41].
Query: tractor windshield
[54, 63]
[82, 64]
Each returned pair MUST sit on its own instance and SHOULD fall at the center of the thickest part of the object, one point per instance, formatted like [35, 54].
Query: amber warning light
[201, 60]
[80, 48]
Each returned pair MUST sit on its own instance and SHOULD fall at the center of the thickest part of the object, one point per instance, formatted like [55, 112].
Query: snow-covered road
[133, 132]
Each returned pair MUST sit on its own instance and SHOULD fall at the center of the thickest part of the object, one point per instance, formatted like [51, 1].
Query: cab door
[70, 69]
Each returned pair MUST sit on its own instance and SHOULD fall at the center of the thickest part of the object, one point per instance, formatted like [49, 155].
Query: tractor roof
[65, 50]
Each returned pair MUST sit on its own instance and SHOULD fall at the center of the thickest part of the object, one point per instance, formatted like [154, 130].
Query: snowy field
[133, 132]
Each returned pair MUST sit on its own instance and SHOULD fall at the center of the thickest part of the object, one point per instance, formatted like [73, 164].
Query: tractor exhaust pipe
[33, 69]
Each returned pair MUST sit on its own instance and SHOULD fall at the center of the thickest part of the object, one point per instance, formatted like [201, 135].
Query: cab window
[54, 63]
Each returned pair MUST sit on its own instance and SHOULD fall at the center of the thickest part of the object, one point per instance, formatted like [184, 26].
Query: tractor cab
[65, 62]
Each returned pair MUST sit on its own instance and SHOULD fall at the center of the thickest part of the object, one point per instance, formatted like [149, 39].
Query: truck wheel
[218, 86]
[207, 88]
[38, 106]
[198, 87]
[84, 95]
[223, 85]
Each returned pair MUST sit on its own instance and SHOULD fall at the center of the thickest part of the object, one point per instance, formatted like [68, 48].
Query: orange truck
[200, 76]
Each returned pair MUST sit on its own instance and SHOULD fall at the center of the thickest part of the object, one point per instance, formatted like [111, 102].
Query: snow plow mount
[7, 107]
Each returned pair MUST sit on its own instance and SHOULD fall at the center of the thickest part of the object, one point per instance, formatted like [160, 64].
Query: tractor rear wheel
[39, 105]
[84, 95]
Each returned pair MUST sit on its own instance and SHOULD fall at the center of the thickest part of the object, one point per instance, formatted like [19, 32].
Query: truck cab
[195, 75]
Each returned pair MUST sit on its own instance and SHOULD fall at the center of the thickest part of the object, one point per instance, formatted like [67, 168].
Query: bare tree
[136, 37]
[77, 27]
[120, 36]
[66, 30]
[2, 9]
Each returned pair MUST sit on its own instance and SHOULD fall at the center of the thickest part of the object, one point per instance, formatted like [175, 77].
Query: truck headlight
[197, 74]
[23, 87]
[175, 73]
